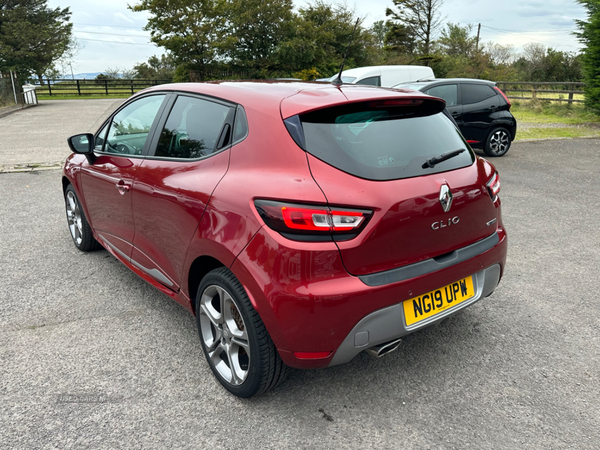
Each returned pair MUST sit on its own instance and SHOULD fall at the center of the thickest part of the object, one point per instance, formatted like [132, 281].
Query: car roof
[448, 80]
[291, 97]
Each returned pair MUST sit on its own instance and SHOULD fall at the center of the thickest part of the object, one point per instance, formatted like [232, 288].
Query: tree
[162, 68]
[322, 33]
[192, 30]
[399, 43]
[500, 54]
[539, 63]
[32, 36]
[254, 30]
[457, 41]
[421, 19]
[379, 30]
[589, 36]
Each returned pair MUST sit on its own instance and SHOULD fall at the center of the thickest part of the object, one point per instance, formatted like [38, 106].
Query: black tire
[80, 229]
[497, 142]
[233, 335]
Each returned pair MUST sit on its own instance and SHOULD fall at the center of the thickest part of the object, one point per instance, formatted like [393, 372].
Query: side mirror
[82, 143]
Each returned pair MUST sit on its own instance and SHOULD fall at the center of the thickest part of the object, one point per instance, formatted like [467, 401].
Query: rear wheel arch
[201, 266]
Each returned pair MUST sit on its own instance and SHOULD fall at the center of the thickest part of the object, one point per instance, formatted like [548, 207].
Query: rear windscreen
[382, 143]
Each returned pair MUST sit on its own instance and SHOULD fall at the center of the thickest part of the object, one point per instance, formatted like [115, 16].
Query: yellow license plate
[434, 302]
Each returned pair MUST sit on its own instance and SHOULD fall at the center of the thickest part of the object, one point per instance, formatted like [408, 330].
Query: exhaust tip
[383, 349]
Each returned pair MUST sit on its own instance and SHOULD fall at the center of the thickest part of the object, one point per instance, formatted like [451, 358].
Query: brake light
[395, 102]
[503, 95]
[493, 186]
[308, 219]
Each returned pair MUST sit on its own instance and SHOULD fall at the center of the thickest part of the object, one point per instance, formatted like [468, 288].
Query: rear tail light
[297, 219]
[503, 95]
[493, 186]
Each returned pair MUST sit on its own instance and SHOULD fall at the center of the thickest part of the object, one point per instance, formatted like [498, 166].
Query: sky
[112, 36]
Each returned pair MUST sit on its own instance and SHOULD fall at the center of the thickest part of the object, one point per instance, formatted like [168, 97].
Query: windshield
[383, 143]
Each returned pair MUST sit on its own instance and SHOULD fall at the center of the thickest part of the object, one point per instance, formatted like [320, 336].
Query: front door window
[130, 127]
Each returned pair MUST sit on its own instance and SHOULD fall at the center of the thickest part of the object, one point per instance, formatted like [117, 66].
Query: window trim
[235, 119]
[165, 116]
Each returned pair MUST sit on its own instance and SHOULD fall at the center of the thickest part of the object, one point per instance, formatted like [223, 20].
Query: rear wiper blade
[431, 162]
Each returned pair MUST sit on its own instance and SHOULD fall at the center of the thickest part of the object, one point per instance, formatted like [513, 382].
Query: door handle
[122, 187]
[455, 114]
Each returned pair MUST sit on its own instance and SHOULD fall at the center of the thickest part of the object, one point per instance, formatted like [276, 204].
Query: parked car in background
[301, 223]
[480, 108]
[384, 76]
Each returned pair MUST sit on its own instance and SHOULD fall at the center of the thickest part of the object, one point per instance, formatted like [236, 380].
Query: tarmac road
[93, 357]
[38, 135]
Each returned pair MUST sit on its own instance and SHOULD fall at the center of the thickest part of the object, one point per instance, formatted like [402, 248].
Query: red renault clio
[301, 223]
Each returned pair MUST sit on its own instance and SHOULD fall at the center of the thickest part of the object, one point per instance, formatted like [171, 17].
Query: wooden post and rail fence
[84, 87]
[571, 92]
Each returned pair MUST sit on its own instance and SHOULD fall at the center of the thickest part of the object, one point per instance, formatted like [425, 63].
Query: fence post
[571, 88]
[78, 88]
[106, 86]
[49, 87]
[533, 93]
[131, 81]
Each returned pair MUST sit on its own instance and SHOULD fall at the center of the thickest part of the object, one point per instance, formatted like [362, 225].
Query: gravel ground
[524, 126]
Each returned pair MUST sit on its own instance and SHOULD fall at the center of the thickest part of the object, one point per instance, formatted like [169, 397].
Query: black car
[480, 108]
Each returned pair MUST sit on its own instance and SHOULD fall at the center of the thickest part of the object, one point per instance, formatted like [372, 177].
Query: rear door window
[382, 143]
[193, 128]
[475, 93]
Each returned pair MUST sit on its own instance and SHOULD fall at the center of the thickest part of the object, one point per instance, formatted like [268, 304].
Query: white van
[385, 76]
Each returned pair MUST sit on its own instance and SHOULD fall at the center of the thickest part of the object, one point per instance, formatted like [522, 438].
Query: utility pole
[12, 79]
[477, 41]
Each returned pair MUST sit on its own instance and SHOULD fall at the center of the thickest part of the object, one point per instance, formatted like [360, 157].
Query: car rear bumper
[314, 309]
[389, 324]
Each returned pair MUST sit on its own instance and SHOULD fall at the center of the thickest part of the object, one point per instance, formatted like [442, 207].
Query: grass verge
[552, 112]
[550, 133]
[546, 120]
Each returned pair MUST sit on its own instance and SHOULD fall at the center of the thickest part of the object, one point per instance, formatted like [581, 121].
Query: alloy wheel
[499, 142]
[224, 335]
[74, 218]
